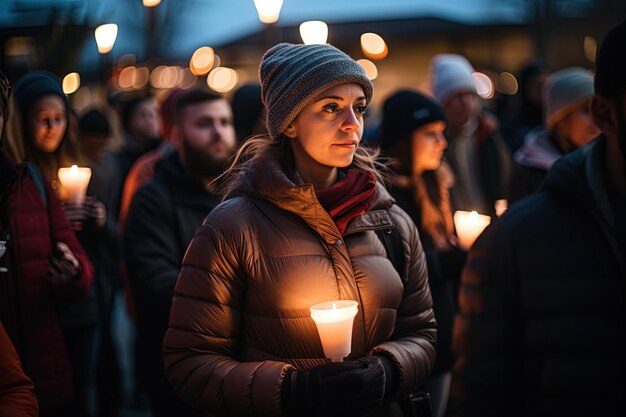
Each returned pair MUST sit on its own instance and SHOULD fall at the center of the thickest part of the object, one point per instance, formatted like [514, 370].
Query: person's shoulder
[538, 213]
[233, 213]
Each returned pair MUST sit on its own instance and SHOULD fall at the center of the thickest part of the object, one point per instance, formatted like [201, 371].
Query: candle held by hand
[334, 325]
[74, 183]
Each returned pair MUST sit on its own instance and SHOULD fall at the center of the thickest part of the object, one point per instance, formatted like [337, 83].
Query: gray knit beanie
[292, 76]
[564, 91]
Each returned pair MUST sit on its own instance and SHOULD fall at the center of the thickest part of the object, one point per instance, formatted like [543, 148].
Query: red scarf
[349, 197]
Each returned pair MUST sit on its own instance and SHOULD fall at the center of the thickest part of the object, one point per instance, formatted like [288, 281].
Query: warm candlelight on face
[334, 325]
[74, 183]
[469, 225]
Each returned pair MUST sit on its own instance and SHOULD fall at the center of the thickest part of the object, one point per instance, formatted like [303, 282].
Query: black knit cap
[35, 84]
[611, 62]
[404, 112]
[292, 76]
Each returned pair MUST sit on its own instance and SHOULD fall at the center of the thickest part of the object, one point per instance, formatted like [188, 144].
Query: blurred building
[154, 45]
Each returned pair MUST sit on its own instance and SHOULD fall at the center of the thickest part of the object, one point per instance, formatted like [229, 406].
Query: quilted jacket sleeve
[412, 345]
[200, 346]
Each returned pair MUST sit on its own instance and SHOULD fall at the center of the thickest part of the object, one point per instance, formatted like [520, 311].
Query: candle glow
[334, 325]
[469, 226]
[74, 183]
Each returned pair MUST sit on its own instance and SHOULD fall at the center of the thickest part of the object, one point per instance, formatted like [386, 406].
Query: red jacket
[17, 396]
[34, 230]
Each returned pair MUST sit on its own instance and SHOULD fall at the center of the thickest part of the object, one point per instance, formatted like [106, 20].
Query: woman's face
[326, 133]
[427, 146]
[47, 123]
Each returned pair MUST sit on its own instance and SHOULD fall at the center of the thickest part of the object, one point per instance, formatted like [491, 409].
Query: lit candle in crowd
[334, 325]
[74, 183]
[501, 206]
[469, 226]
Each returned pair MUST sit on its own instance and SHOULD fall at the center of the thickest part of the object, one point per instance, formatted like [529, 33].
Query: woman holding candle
[44, 267]
[412, 134]
[42, 134]
[297, 228]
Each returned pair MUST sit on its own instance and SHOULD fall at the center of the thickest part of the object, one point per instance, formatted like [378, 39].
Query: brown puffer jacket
[240, 315]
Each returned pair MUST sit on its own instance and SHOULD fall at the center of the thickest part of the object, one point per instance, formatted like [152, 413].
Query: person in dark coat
[163, 218]
[569, 125]
[541, 329]
[412, 133]
[476, 151]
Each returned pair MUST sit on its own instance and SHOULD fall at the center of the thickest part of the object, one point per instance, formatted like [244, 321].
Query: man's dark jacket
[163, 218]
[540, 330]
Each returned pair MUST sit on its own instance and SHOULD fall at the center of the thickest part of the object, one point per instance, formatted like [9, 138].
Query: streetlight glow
[151, 3]
[314, 32]
[202, 60]
[71, 82]
[105, 37]
[222, 79]
[373, 46]
[268, 10]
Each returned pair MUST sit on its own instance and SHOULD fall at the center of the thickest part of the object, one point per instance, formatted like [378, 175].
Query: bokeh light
[71, 83]
[222, 79]
[369, 67]
[373, 46]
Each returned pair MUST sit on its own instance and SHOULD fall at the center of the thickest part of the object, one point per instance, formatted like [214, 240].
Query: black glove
[91, 215]
[63, 265]
[349, 388]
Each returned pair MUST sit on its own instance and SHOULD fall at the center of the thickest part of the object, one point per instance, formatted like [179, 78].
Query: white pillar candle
[74, 183]
[469, 226]
[334, 325]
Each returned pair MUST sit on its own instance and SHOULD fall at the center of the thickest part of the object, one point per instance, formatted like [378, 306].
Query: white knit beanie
[564, 91]
[450, 74]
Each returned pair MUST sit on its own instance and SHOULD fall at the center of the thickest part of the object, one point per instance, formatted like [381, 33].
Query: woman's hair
[21, 147]
[263, 147]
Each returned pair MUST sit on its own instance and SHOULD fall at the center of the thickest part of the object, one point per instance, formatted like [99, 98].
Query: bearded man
[163, 218]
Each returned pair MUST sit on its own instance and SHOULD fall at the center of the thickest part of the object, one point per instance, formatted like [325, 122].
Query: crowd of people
[217, 224]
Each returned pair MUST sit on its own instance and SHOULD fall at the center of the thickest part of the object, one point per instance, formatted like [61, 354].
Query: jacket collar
[270, 182]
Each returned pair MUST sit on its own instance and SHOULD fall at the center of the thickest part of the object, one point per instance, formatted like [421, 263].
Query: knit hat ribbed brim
[292, 76]
[564, 91]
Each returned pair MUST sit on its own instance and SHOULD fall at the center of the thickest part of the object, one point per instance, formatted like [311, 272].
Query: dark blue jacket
[540, 329]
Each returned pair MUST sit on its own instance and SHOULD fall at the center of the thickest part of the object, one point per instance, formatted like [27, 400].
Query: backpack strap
[39, 182]
[392, 241]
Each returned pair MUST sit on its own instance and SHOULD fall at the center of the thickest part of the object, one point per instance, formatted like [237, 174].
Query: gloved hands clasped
[349, 388]
[63, 265]
[90, 215]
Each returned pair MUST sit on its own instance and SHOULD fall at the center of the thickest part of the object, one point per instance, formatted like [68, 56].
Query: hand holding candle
[334, 325]
[74, 183]
[469, 226]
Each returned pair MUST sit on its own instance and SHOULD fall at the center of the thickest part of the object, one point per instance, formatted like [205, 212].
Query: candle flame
[74, 171]
[334, 306]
